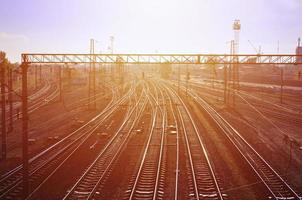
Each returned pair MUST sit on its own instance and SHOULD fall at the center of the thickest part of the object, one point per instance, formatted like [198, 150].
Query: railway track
[273, 115]
[59, 120]
[203, 182]
[267, 110]
[268, 113]
[10, 183]
[84, 101]
[43, 101]
[276, 185]
[146, 181]
[271, 105]
[31, 98]
[76, 106]
[169, 179]
[88, 184]
[149, 181]
[114, 182]
[36, 102]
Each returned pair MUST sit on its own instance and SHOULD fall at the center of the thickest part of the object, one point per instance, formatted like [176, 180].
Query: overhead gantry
[162, 58]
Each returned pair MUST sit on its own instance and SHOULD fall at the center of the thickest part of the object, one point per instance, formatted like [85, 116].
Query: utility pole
[36, 77]
[3, 105]
[24, 67]
[10, 98]
[119, 70]
[60, 82]
[213, 74]
[94, 81]
[282, 82]
[233, 72]
[187, 79]
[186, 84]
[40, 73]
[236, 28]
[69, 77]
[225, 72]
[110, 48]
[91, 84]
[178, 79]
[228, 88]
[89, 79]
[281, 76]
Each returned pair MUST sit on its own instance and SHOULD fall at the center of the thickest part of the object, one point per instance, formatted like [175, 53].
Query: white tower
[236, 28]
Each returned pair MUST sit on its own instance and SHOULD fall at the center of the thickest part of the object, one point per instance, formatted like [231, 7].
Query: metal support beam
[225, 74]
[92, 76]
[10, 98]
[24, 68]
[40, 74]
[187, 80]
[229, 84]
[69, 77]
[281, 85]
[60, 82]
[247, 59]
[93, 87]
[178, 78]
[36, 77]
[233, 68]
[213, 75]
[3, 110]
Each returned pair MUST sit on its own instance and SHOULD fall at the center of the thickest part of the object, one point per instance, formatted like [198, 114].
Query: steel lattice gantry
[162, 58]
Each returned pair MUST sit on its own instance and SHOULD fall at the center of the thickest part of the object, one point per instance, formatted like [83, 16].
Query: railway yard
[151, 100]
[153, 137]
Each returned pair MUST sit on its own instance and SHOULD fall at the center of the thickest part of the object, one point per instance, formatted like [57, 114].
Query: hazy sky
[147, 26]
